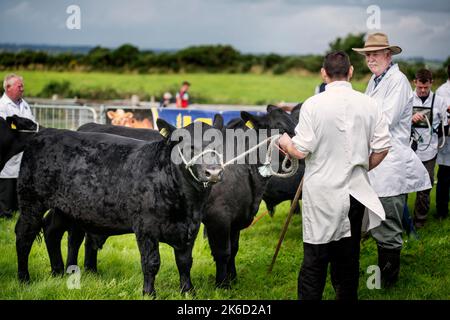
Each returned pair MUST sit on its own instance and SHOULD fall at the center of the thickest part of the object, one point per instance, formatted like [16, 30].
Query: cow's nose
[213, 175]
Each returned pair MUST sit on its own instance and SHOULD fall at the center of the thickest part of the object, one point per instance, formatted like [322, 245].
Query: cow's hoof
[24, 277]
[90, 270]
[58, 272]
[188, 292]
[151, 294]
[223, 285]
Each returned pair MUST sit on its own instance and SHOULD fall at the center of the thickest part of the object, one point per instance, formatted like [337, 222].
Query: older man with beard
[401, 172]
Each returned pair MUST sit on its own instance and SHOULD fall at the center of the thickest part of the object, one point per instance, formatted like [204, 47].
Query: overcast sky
[421, 28]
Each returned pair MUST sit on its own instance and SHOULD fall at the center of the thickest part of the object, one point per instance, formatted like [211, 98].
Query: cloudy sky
[421, 28]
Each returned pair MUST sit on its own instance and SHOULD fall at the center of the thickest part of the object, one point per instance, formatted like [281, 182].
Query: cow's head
[295, 112]
[198, 147]
[14, 133]
[276, 118]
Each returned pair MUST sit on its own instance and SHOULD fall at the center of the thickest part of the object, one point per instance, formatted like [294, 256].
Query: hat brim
[394, 49]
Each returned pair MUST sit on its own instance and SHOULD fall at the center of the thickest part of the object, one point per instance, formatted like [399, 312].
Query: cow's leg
[183, 257]
[219, 242]
[150, 262]
[76, 236]
[92, 244]
[27, 227]
[231, 269]
[53, 231]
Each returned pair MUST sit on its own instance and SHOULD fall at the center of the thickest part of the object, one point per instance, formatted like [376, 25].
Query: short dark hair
[424, 75]
[337, 64]
[186, 83]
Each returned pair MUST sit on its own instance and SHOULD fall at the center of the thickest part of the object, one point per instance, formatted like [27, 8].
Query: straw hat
[377, 41]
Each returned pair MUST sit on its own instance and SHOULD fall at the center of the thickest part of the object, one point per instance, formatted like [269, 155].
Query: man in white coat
[401, 172]
[429, 111]
[12, 103]
[342, 134]
[443, 159]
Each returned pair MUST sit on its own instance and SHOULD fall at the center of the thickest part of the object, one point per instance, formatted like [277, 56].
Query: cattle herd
[79, 178]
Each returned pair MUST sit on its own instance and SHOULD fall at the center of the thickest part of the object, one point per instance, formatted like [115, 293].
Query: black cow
[230, 207]
[135, 133]
[233, 204]
[14, 134]
[81, 175]
[282, 189]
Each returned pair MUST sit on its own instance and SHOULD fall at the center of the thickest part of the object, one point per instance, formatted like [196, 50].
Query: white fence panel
[63, 117]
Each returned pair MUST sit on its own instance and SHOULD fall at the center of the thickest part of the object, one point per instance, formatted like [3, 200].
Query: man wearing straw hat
[401, 172]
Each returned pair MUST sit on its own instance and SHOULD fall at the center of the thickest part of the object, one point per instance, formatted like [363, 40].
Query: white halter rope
[265, 170]
[31, 131]
[418, 137]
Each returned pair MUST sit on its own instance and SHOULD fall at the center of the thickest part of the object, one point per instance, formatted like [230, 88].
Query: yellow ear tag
[164, 132]
[249, 124]
[13, 126]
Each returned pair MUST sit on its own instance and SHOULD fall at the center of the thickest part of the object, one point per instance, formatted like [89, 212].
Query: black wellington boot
[389, 263]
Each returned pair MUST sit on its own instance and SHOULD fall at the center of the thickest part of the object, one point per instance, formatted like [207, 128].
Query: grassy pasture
[247, 89]
[425, 269]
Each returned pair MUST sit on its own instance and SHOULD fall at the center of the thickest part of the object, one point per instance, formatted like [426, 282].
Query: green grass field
[425, 272]
[214, 88]
[425, 269]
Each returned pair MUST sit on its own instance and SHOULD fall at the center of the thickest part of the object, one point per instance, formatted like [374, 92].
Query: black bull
[229, 209]
[90, 178]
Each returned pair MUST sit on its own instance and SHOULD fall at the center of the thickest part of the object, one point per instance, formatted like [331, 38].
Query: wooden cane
[286, 224]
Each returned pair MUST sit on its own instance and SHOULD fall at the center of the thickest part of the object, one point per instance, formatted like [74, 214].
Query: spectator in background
[443, 159]
[12, 103]
[166, 100]
[428, 112]
[182, 97]
[320, 88]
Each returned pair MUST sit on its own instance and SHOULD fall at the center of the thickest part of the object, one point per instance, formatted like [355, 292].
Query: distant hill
[55, 49]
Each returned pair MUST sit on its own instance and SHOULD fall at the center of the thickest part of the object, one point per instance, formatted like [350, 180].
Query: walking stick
[286, 224]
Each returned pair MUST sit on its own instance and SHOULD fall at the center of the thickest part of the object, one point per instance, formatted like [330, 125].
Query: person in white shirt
[12, 103]
[429, 111]
[443, 159]
[342, 134]
[401, 172]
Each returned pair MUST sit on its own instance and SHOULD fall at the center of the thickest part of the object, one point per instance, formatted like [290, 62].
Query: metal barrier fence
[63, 117]
[71, 117]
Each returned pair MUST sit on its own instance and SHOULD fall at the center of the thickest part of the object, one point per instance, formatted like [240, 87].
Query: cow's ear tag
[250, 125]
[13, 126]
[164, 132]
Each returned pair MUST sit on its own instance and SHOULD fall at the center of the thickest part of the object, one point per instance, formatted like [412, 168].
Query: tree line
[206, 58]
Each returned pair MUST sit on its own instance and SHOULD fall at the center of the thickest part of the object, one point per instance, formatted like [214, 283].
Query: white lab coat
[338, 129]
[401, 172]
[7, 109]
[427, 149]
[443, 157]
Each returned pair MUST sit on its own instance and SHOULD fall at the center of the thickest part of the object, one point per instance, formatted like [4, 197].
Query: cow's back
[66, 170]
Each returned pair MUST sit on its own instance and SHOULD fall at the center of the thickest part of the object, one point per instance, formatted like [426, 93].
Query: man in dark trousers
[342, 134]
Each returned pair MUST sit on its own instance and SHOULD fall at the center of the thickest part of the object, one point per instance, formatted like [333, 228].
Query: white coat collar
[391, 71]
[8, 100]
[430, 96]
[336, 84]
